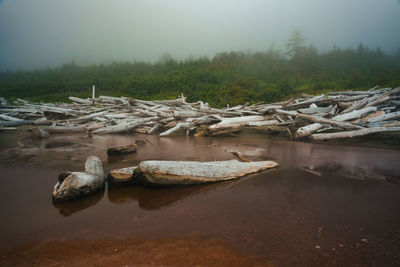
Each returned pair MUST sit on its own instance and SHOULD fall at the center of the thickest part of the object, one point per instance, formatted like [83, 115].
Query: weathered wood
[80, 100]
[344, 125]
[230, 122]
[9, 118]
[239, 156]
[90, 116]
[73, 185]
[385, 117]
[180, 125]
[194, 172]
[114, 100]
[122, 127]
[350, 134]
[309, 129]
[15, 123]
[263, 123]
[314, 110]
[122, 176]
[122, 150]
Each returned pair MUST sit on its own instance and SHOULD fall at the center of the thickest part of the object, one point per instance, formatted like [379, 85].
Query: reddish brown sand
[165, 252]
[325, 205]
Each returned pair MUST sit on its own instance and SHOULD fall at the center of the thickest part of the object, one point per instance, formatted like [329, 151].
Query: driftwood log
[192, 172]
[72, 185]
[122, 150]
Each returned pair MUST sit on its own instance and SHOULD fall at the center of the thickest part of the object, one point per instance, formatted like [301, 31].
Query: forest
[227, 78]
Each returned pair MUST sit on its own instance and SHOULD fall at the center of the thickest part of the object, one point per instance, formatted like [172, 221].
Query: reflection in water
[343, 170]
[68, 208]
[151, 198]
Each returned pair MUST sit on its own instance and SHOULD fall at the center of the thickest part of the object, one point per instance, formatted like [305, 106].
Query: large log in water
[158, 172]
[73, 185]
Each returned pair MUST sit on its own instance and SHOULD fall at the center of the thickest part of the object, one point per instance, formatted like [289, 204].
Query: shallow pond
[325, 204]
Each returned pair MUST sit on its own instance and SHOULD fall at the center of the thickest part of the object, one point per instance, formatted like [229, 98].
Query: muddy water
[325, 204]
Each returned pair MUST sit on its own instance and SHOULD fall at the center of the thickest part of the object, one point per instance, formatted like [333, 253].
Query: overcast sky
[42, 33]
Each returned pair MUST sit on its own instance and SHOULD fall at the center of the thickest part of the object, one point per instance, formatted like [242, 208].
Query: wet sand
[325, 205]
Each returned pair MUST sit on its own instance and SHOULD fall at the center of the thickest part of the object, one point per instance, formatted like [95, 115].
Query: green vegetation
[233, 77]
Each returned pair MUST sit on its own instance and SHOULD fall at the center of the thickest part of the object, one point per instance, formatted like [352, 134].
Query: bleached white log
[378, 101]
[155, 109]
[354, 114]
[72, 185]
[315, 110]
[194, 172]
[385, 117]
[307, 102]
[350, 134]
[180, 125]
[117, 116]
[123, 127]
[80, 100]
[95, 126]
[229, 122]
[154, 128]
[114, 99]
[263, 123]
[187, 114]
[9, 118]
[42, 121]
[309, 129]
[203, 120]
[90, 116]
[344, 125]
[278, 118]
[287, 112]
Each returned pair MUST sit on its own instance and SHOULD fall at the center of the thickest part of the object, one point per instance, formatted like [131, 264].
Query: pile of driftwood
[335, 115]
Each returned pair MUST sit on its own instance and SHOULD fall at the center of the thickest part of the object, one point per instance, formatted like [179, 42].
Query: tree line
[227, 78]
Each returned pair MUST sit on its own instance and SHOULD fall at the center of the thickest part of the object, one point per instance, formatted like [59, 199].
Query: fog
[47, 33]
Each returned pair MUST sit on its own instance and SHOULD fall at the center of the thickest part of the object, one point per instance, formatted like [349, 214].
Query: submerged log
[72, 185]
[122, 150]
[193, 172]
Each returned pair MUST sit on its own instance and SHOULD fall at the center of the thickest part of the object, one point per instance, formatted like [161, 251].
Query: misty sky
[42, 33]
